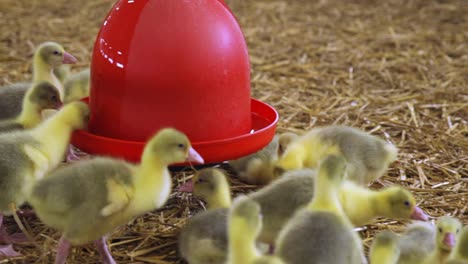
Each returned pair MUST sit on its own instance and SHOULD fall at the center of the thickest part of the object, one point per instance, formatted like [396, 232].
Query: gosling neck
[439, 255]
[220, 199]
[30, 115]
[320, 149]
[54, 135]
[359, 203]
[153, 182]
[42, 71]
[383, 256]
[380, 203]
[325, 196]
[241, 242]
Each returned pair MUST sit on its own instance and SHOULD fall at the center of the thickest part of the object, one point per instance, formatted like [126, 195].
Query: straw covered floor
[396, 68]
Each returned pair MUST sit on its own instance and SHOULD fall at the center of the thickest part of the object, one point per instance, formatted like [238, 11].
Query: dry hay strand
[397, 69]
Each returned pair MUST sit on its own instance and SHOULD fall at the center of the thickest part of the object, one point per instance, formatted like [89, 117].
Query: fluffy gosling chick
[76, 86]
[259, 167]
[89, 198]
[204, 239]
[321, 233]
[368, 156]
[47, 57]
[384, 248]
[41, 96]
[459, 254]
[447, 230]
[26, 156]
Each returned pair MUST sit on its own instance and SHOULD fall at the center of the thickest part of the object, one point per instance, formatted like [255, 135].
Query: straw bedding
[397, 68]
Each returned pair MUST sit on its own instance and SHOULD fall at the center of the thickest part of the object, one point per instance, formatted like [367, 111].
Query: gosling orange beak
[449, 240]
[194, 157]
[418, 214]
[68, 58]
[186, 187]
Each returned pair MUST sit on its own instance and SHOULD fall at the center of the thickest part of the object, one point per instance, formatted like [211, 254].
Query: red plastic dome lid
[177, 63]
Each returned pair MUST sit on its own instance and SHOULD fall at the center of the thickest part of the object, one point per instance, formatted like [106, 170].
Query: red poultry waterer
[177, 63]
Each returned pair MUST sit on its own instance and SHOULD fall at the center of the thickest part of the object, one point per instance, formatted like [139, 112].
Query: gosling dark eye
[56, 52]
[407, 203]
[54, 98]
[181, 146]
[440, 230]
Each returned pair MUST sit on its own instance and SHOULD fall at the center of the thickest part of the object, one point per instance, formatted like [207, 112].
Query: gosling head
[385, 245]
[206, 183]
[54, 55]
[45, 96]
[448, 229]
[334, 168]
[284, 141]
[247, 210]
[386, 238]
[75, 114]
[401, 204]
[171, 146]
[293, 157]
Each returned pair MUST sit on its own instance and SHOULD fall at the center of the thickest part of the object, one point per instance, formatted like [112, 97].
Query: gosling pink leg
[63, 249]
[74, 154]
[271, 249]
[14, 238]
[26, 212]
[104, 251]
[6, 250]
